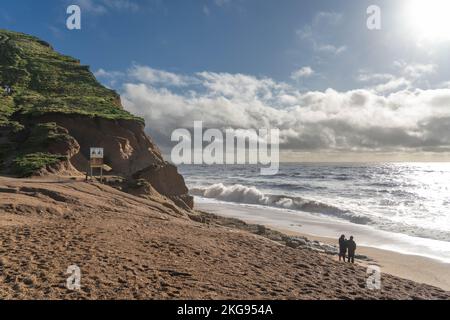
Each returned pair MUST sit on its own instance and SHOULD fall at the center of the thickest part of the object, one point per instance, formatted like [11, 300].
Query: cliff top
[42, 81]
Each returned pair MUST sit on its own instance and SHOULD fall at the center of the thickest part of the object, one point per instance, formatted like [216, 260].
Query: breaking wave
[251, 195]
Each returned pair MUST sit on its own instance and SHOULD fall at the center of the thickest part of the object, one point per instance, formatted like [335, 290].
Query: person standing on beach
[351, 246]
[342, 247]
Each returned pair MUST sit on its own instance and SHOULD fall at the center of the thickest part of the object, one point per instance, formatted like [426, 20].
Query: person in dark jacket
[351, 247]
[7, 90]
[342, 247]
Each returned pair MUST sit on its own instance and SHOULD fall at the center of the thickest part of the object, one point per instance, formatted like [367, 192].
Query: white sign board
[96, 153]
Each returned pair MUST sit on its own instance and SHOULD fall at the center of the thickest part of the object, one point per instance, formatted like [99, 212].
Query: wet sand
[413, 267]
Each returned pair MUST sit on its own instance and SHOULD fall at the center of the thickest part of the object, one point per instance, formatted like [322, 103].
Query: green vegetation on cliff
[28, 164]
[44, 81]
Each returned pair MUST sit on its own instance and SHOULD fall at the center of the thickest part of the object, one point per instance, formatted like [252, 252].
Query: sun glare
[429, 19]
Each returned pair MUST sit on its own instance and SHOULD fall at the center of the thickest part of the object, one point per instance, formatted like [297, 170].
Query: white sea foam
[251, 195]
[408, 198]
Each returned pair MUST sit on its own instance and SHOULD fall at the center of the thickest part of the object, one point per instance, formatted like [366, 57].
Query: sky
[336, 90]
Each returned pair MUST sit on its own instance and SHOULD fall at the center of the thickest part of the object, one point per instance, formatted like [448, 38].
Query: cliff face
[127, 148]
[56, 111]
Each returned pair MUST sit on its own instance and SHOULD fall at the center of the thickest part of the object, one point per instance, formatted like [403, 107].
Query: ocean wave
[251, 195]
[291, 186]
[406, 199]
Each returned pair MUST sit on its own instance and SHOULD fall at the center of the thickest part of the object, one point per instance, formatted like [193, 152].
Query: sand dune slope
[133, 248]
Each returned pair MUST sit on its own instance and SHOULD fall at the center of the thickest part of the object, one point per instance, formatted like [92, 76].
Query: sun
[429, 19]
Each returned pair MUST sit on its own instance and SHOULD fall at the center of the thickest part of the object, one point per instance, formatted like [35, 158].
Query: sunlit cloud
[304, 72]
[361, 120]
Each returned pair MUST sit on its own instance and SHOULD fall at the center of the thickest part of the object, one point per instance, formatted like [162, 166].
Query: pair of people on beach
[7, 90]
[347, 247]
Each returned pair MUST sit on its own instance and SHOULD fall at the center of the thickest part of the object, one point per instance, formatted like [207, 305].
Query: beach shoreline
[412, 267]
[130, 247]
[417, 268]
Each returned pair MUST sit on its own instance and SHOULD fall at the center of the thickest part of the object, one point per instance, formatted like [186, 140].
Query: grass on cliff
[29, 164]
[44, 81]
[42, 135]
[32, 154]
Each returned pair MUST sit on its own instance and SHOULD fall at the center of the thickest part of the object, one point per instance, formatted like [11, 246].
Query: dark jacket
[342, 245]
[351, 245]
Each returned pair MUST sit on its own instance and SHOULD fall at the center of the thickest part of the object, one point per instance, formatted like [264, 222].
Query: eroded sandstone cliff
[57, 111]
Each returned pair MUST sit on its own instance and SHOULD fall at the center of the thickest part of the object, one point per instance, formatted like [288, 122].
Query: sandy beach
[419, 268]
[129, 247]
[412, 267]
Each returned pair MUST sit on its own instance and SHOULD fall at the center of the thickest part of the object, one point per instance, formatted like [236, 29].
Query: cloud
[101, 73]
[321, 24]
[110, 78]
[211, 5]
[409, 120]
[304, 72]
[416, 71]
[331, 18]
[305, 33]
[153, 76]
[392, 85]
[329, 48]
[445, 84]
[365, 76]
[91, 7]
[407, 76]
[147, 75]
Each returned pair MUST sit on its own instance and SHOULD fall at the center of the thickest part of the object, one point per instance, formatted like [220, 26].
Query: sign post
[96, 161]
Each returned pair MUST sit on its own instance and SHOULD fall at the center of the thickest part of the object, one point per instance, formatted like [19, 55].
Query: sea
[411, 199]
